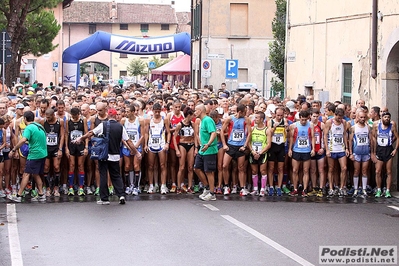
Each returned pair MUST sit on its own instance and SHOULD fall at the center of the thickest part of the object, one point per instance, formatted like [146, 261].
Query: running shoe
[204, 193]
[146, 188]
[81, 192]
[319, 193]
[304, 194]
[156, 188]
[2, 194]
[279, 192]
[14, 191]
[164, 190]
[150, 190]
[97, 191]
[135, 191]
[100, 202]
[312, 193]
[369, 190]
[255, 193]
[388, 194]
[128, 191]
[219, 190]
[209, 197]
[341, 192]
[111, 190]
[122, 200]
[178, 190]
[378, 193]
[330, 193]
[271, 191]
[196, 189]
[190, 190]
[226, 190]
[48, 192]
[173, 189]
[56, 192]
[14, 198]
[286, 190]
[363, 194]
[89, 191]
[184, 189]
[39, 198]
[355, 193]
[243, 192]
[294, 193]
[7, 191]
[65, 190]
[300, 187]
[71, 192]
[345, 191]
[234, 190]
[351, 191]
[262, 192]
[33, 193]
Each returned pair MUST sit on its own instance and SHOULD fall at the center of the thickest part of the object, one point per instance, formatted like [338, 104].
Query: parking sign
[231, 69]
[55, 66]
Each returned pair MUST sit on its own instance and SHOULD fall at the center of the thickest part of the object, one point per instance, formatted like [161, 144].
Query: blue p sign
[231, 69]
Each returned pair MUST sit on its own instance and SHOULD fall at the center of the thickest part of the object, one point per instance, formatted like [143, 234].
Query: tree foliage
[277, 47]
[14, 18]
[136, 68]
[41, 27]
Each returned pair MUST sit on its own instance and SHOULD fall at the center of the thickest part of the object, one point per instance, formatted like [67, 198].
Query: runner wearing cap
[384, 133]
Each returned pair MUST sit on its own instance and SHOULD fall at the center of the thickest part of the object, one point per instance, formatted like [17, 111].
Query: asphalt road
[183, 230]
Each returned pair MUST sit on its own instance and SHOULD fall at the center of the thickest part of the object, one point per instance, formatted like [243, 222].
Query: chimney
[113, 10]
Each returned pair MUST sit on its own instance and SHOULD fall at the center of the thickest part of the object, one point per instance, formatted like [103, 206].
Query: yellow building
[238, 30]
[344, 50]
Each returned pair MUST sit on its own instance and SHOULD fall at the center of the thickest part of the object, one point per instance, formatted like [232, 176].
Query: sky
[180, 5]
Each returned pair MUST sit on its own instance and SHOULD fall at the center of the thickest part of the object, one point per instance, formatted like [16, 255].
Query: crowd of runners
[207, 141]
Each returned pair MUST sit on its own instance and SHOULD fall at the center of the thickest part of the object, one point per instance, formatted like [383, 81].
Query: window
[92, 28]
[123, 27]
[121, 55]
[347, 83]
[239, 19]
[122, 73]
[144, 27]
[195, 28]
[164, 55]
[164, 26]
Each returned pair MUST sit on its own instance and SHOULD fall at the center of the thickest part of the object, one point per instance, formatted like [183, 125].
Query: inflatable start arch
[122, 44]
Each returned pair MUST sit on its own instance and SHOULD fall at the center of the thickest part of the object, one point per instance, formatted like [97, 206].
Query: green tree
[14, 17]
[277, 47]
[136, 68]
[41, 27]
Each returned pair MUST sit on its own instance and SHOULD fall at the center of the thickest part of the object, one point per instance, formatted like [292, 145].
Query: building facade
[341, 50]
[135, 20]
[239, 30]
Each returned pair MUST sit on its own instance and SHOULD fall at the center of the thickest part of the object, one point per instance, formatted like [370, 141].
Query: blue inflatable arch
[122, 44]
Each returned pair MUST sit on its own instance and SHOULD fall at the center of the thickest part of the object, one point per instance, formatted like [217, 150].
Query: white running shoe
[209, 197]
[204, 193]
[135, 191]
[226, 190]
[89, 191]
[234, 190]
[164, 190]
[2, 194]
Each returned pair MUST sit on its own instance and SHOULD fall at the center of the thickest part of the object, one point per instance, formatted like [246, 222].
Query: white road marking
[268, 241]
[211, 207]
[394, 207]
[15, 247]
